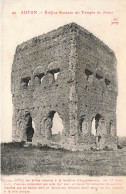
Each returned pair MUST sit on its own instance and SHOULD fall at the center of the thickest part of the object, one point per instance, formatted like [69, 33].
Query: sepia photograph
[63, 103]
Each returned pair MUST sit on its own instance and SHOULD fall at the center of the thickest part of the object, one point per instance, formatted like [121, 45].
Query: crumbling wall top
[72, 27]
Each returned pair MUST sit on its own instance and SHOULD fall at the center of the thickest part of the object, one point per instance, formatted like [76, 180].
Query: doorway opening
[89, 75]
[55, 126]
[83, 125]
[95, 124]
[111, 128]
[29, 127]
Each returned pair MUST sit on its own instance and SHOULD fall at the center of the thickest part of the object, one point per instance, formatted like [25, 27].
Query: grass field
[16, 159]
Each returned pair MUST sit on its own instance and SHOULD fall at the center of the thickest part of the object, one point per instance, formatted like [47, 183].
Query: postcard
[63, 96]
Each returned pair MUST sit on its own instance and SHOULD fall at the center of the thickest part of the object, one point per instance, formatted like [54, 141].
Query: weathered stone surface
[85, 89]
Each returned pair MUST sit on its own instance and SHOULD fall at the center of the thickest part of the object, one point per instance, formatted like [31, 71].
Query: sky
[18, 28]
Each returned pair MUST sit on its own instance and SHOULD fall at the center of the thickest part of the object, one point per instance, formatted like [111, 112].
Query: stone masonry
[85, 90]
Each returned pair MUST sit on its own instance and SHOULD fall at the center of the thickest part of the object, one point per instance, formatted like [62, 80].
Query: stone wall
[71, 72]
[96, 88]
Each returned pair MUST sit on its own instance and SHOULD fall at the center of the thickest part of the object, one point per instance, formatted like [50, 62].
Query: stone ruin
[70, 72]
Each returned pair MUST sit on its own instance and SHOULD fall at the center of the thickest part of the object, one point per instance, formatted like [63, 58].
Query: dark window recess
[99, 138]
[55, 73]
[29, 127]
[111, 128]
[29, 82]
[97, 118]
[99, 77]
[95, 123]
[88, 73]
[107, 82]
[41, 76]
[25, 82]
[83, 126]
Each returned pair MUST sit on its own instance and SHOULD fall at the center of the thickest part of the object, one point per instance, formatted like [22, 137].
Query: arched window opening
[111, 128]
[42, 79]
[39, 78]
[99, 77]
[57, 125]
[53, 127]
[29, 127]
[99, 138]
[95, 124]
[55, 73]
[25, 79]
[25, 82]
[97, 118]
[83, 125]
[107, 82]
[29, 82]
[81, 121]
[89, 75]
[39, 73]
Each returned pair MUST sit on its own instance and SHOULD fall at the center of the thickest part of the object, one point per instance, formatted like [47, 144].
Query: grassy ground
[19, 160]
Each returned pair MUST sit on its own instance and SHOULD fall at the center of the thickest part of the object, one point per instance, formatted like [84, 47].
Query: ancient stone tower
[84, 93]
